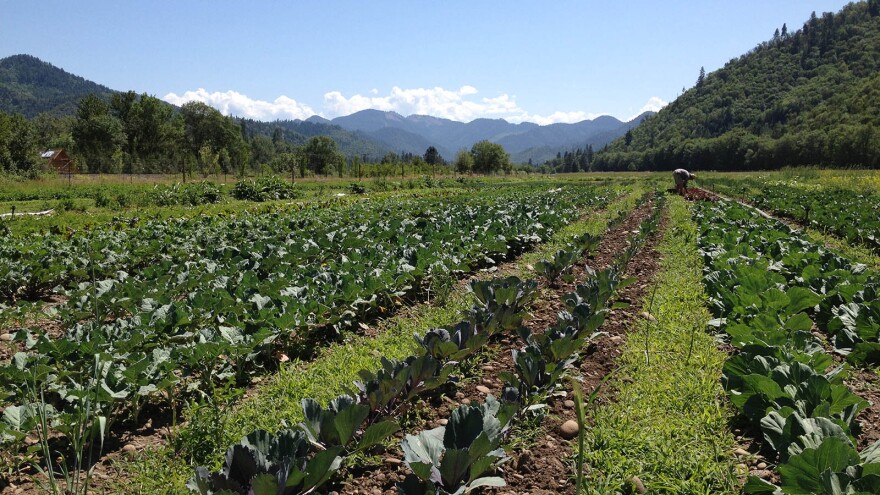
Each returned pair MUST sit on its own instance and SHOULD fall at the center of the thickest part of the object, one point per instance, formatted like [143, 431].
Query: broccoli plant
[501, 303]
[398, 380]
[832, 467]
[453, 344]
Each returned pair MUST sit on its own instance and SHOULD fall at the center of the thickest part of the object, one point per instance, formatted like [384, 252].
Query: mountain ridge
[449, 136]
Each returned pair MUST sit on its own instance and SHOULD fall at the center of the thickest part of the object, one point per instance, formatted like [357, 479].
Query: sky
[543, 62]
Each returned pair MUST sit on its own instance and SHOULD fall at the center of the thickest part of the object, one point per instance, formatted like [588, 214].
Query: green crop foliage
[668, 424]
[278, 399]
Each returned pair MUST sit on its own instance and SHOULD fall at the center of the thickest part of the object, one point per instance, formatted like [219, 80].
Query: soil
[866, 384]
[697, 194]
[541, 464]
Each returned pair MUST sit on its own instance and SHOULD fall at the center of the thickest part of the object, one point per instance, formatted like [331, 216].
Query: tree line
[140, 134]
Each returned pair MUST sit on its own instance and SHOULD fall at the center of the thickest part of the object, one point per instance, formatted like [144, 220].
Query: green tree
[97, 134]
[464, 162]
[53, 131]
[203, 125]
[156, 133]
[490, 158]
[19, 150]
[209, 161]
[433, 158]
[321, 155]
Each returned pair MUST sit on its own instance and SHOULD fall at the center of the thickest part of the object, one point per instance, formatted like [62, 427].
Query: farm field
[581, 334]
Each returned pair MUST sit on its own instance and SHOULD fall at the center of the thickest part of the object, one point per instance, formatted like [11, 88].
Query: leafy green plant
[454, 343]
[832, 467]
[764, 384]
[558, 265]
[342, 424]
[501, 303]
[264, 189]
[452, 459]
[266, 464]
[399, 380]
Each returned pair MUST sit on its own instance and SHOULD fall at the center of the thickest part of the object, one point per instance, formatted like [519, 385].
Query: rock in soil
[569, 429]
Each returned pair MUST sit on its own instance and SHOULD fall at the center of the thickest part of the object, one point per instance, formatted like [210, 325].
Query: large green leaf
[377, 433]
[802, 475]
[800, 299]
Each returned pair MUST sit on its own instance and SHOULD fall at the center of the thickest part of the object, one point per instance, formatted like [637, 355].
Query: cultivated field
[585, 333]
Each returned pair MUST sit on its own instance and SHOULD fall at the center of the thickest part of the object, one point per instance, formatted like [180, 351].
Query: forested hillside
[804, 98]
[30, 86]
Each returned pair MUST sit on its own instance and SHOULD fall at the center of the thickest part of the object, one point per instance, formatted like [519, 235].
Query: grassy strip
[668, 425]
[212, 428]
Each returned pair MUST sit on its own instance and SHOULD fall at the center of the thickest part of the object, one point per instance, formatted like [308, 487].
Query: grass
[668, 422]
[276, 402]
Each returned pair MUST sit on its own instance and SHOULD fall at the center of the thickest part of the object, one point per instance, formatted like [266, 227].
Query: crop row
[222, 294]
[846, 213]
[451, 459]
[768, 288]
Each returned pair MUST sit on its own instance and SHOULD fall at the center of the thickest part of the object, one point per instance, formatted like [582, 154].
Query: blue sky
[551, 61]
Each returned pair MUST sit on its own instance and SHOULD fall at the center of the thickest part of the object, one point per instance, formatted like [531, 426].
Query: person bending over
[682, 177]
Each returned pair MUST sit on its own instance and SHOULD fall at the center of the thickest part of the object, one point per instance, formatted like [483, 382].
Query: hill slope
[30, 86]
[807, 98]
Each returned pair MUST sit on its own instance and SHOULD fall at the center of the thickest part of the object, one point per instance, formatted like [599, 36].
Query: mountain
[544, 142]
[413, 134]
[30, 86]
[803, 98]
[298, 132]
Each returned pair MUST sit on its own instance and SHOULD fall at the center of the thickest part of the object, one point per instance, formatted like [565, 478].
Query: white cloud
[437, 101]
[460, 105]
[563, 117]
[463, 105]
[235, 103]
[654, 104]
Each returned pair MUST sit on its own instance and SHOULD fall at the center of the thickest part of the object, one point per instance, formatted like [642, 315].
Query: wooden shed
[60, 161]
